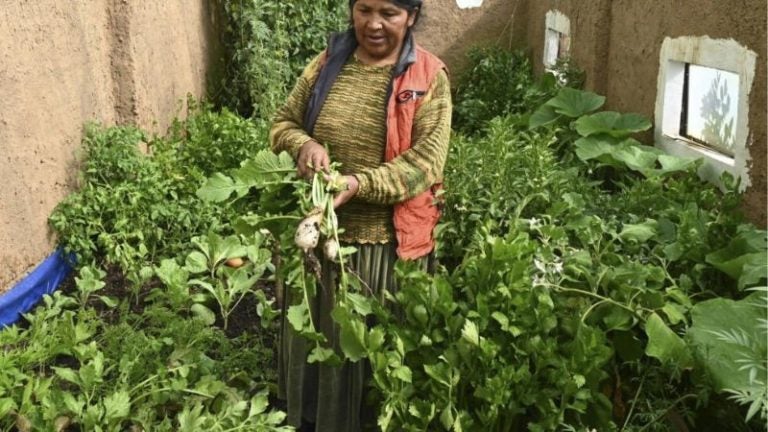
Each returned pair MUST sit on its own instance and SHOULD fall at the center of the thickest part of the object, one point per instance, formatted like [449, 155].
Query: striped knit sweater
[352, 125]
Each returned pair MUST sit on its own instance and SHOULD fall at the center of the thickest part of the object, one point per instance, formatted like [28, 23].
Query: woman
[381, 106]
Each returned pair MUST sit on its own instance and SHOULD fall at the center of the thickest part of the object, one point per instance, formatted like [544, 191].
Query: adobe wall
[449, 31]
[63, 64]
[617, 43]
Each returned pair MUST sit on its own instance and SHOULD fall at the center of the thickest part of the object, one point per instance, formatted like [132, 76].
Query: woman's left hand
[342, 197]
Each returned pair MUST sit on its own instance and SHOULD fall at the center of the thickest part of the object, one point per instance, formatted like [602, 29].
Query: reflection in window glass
[556, 46]
[552, 47]
[711, 107]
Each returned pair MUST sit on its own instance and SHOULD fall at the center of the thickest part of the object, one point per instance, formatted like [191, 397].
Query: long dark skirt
[333, 398]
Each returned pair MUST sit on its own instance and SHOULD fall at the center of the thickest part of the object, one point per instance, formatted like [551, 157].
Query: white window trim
[468, 4]
[724, 54]
[559, 22]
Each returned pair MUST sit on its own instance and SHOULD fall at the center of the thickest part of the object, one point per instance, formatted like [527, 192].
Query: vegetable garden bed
[587, 282]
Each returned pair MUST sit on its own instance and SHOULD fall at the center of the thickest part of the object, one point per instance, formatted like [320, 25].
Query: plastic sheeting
[27, 293]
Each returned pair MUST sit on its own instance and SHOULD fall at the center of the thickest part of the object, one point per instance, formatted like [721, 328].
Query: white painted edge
[725, 54]
[558, 21]
[468, 4]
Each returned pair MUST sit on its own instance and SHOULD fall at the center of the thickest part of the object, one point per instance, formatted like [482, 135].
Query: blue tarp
[43, 280]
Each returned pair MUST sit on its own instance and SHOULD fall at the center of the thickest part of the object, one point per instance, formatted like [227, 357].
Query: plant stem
[593, 295]
[634, 402]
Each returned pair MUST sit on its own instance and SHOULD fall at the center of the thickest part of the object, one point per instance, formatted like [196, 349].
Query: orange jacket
[416, 218]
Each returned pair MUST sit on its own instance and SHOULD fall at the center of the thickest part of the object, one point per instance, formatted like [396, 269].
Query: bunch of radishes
[321, 220]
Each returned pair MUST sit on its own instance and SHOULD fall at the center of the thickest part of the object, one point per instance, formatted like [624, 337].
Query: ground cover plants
[587, 281]
[156, 333]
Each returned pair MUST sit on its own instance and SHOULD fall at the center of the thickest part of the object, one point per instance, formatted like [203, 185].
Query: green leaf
[543, 116]
[259, 404]
[375, 339]
[217, 188]
[641, 232]
[470, 333]
[664, 344]
[636, 156]
[593, 148]
[446, 417]
[403, 373]
[618, 319]
[748, 251]
[674, 312]
[360, 303]
[439, 372]
[117, 406]
[575, 103]
[265, 167]
[90, 279]
[108, 301]
[323, 355]
[201, 312]
[6, 406]
[673, 164]
[226, 248]
[298, 316]
[191, 420]
[196, 262]
[73, 404]
[172, 274]
[754, 271]
[352, 337]
[612, 123]
[67, 374]
[727, 337]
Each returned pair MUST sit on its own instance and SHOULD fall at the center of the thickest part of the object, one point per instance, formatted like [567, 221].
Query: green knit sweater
[352, 125]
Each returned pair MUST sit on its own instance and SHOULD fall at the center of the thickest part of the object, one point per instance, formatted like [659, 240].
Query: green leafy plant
[90, 282]
[227, 286]
[267, 44]
[497, 82]
[729, 338]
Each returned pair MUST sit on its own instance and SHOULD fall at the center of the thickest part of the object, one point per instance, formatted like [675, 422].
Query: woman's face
[380, 28]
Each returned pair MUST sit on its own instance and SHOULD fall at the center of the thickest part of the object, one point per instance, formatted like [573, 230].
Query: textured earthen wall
[448, 31]
[66, 63]
[617, 43]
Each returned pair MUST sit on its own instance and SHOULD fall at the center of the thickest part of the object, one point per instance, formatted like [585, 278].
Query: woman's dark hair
[412, 6]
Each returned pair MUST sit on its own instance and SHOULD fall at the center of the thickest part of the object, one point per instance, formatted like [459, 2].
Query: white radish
[331, 249]
[308, 233]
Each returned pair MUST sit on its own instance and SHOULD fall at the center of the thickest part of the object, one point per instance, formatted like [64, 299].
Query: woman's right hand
[312, 158]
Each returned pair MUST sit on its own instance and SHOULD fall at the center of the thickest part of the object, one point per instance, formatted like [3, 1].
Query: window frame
[556, 21]
[723, 54]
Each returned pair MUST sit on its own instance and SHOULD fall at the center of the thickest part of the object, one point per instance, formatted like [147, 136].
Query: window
[557, 42]
[710, 107]
[702, 103]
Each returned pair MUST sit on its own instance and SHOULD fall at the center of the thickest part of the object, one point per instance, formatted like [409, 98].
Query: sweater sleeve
[287, 132]
[421, 166]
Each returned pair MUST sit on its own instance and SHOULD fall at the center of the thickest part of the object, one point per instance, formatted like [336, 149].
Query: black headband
[408, 4]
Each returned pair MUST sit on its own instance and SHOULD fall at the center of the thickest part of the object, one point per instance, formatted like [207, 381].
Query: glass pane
[713, 100]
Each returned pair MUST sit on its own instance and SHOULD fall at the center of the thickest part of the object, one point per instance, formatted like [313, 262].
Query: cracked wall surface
[63, 64]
